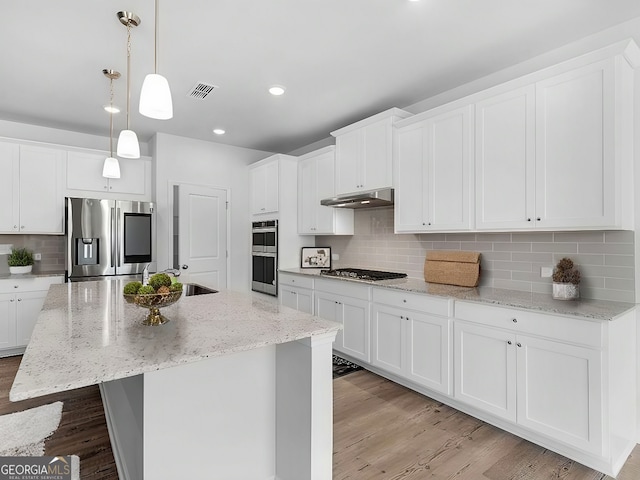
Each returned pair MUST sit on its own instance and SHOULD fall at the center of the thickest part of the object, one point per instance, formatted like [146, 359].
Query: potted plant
[20, 260]
[566, 279]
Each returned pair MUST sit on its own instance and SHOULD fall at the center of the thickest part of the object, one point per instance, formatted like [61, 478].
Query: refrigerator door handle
[114, 242]
[120, 233]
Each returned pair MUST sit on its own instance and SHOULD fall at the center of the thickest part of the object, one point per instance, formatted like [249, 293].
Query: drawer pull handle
[508, 342]
[519, 344]
[401, 317]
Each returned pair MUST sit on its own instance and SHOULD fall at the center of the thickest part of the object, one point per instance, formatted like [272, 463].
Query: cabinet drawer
[413, 301]
[296, 280]
[344, 287]
[33, 284]
[565, 329]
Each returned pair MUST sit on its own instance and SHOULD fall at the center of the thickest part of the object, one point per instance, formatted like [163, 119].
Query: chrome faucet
[145, 274]
[172, 271]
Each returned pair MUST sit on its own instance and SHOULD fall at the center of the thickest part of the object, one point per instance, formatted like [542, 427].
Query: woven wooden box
[452, 267]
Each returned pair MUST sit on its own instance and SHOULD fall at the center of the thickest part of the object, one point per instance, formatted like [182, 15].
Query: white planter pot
[20, 270]
[566, 291]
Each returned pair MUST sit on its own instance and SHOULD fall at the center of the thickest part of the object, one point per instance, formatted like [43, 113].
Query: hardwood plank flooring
[382, 431]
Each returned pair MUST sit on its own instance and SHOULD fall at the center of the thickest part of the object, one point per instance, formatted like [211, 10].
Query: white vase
[20, 270]
[566, 291]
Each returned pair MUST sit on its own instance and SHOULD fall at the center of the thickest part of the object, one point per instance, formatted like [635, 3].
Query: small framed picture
[316, 257]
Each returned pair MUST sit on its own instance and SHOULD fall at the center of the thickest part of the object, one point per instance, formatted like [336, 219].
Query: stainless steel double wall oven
[264, 252]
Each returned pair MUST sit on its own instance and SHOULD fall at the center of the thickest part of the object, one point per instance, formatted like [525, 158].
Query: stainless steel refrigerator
[108, 237]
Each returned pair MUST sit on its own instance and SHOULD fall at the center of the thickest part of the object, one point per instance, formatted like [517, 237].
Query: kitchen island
[234, 386]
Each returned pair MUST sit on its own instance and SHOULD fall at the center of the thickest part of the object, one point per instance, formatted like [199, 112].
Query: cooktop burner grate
[362, 274]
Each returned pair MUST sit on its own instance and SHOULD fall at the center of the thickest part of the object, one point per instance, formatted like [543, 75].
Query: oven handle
[264, 230]
[264, 254]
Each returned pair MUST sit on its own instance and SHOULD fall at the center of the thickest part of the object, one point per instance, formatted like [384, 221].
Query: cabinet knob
[11, 300]
[19, 299]
[15, 286]
[15, 227]
[538, 219]
[514, 320]
[110, 187]
[105, 187]
[509, 342]
[401, 317]
[519, 344]
[528, 219]
[429, 223]
[423, 223]
[404, 300]
[21, 227]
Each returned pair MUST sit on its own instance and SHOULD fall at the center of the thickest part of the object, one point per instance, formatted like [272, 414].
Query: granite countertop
[585, 308]
[87, 334]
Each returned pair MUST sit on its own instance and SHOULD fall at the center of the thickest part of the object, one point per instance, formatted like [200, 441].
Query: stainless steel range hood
[373, 198]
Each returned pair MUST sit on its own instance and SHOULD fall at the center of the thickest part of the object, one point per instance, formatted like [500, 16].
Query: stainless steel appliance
[264, 252]
[361, 274]
[108, 237]
[370, 199]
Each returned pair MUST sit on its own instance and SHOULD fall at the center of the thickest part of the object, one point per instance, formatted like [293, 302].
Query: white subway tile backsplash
[508, 260]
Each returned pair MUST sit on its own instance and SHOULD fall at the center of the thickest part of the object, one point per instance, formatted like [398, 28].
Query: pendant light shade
[128, 146]
[111, 168]
[155, 98]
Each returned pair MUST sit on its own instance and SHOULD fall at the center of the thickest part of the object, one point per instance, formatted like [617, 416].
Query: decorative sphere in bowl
[154, 301]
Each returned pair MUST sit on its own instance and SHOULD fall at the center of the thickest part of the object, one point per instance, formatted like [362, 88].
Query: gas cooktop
[361, 274]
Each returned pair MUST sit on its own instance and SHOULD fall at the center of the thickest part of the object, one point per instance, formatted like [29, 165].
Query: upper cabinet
[364, 153]
[433, 170]
[84, 177]
[263, 179]
[31, 189]
[316, 182]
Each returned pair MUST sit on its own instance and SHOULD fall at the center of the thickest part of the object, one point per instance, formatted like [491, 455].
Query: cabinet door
[133, 174]
[28, 305]
[258, 182]
[305, 301]
[388, 338]
[448, 176]
[428, 351]
[7, 320]
[356, 324]
[348, 157]
[559, 391]
[326, 217]
[575, 152]
[9, 187]
[288, 296]
[307, 196]
[272, 172]
[376, 156]
[41, 197]
[326, 306]
[411, 178]
[485, 369]
[84, 172]
[505, 160]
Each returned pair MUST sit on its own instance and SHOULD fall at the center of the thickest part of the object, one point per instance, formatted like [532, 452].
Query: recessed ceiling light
[276, 90]
[111, 109]
[218, 131]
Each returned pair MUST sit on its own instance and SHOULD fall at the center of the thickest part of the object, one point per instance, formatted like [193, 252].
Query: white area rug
[23, 433]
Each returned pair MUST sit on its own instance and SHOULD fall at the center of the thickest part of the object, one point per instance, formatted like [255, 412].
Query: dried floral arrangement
[565, 272]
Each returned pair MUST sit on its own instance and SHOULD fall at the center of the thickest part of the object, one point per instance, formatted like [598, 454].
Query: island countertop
[87, 334]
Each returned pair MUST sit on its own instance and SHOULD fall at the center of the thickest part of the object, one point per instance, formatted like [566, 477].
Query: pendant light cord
[111, 119]
[128, 70]
[155, 43]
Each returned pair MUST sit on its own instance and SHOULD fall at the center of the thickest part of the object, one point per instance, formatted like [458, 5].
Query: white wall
[185, 160]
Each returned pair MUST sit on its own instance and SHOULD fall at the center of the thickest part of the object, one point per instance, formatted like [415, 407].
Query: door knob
[184, 267]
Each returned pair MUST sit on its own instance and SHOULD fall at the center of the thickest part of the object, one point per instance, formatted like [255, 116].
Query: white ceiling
[341, 60]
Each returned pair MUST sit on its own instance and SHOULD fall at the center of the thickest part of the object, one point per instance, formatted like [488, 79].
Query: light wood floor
[381, 431]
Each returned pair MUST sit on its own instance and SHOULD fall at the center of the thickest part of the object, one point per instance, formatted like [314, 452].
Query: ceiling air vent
[201, 90]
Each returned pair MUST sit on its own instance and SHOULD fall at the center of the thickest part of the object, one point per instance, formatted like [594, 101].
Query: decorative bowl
[154, 302]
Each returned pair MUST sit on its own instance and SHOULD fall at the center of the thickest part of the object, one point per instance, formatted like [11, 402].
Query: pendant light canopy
[128, 146]
[111, 168]
[155, 96]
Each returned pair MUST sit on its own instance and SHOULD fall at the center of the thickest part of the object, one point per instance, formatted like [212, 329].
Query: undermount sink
[191, 289]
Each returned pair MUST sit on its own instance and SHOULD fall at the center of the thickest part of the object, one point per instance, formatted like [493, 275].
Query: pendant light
[111, 168]
[155, 96]
[128, 146]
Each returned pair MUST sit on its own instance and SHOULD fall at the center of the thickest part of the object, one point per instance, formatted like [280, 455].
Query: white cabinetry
[296, 291]
[554, 378]
[316, 181]
[31, 189]
[411, 337]
[364, 153]
[20, 303]
[264, 183]
[433, 155]
[84, 176]
[347, 304]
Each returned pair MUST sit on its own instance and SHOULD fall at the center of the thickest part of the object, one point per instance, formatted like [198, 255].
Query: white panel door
[41, 171]
[428, 351]
[505, 160]
[325, 188]
[388, 339]
[575, 154]
[326, 306]
[485, 369]
[203, 235]
[7, 320]
[449, 161]
[272, 175]
[28, 305]
[258, 182]
[411, 178]
[307, 196]
[9, 188]
[559, 389]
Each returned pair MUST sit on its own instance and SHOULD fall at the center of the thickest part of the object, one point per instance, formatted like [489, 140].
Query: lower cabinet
[299, 298]
[19, 311]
